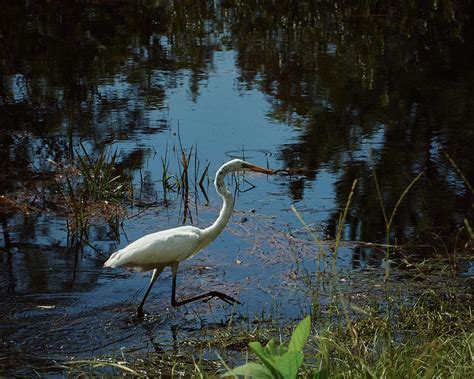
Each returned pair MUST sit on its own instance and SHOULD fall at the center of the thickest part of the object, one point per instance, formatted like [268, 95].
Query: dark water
[328, 90]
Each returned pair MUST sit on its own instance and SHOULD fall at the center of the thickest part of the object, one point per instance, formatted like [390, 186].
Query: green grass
[92, 189]
[426, 336]
[183, 182]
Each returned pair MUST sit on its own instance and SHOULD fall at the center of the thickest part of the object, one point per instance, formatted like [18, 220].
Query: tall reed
[93, 188]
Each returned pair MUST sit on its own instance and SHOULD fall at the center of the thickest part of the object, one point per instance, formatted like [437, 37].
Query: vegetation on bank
[425, 334]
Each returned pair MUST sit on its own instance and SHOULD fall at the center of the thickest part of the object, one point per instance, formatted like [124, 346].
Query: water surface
[330, 92]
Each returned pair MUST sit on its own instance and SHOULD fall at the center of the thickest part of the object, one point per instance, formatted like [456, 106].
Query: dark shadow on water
[358, 88]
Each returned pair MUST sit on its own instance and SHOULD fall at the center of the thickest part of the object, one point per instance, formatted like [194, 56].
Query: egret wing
[158, 249]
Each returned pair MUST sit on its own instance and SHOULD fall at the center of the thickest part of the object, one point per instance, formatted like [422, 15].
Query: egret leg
[207, 295]
[154, 276]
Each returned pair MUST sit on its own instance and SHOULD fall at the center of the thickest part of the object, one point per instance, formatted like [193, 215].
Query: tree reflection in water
[390, 77]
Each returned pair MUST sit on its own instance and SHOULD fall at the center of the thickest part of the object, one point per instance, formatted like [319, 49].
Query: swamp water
[327, 93]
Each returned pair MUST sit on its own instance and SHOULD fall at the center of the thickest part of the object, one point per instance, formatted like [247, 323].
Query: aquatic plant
[388, 218]
[182, 182]
[92, 188]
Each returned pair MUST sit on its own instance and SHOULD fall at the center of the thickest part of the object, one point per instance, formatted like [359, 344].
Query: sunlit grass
[427, 336]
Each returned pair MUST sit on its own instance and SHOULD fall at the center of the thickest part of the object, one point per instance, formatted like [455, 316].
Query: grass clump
[187, 179]
[93, 189]
[430, 337]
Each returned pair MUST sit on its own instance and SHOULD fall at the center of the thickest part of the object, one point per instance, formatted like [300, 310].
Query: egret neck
[210, 233]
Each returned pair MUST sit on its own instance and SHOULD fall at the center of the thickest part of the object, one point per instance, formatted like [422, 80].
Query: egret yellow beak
[255, 168]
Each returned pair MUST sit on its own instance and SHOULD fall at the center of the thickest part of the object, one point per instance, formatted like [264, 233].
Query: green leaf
[254, 370]
[265, 357]
[259, 350]
[289, 363]
[271, 349]
[300, 335]
[274, 350]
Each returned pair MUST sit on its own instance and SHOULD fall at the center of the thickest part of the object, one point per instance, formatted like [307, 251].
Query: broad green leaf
[270, 348]
[300, 335]
[264, 357]
[274, 350]
[289, 363]
[254, 370]
[259, 350]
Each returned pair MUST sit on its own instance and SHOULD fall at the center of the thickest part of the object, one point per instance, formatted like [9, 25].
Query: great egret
[169, 247]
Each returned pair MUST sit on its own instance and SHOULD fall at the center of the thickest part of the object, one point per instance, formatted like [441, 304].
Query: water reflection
[351, 78]
[360, 87]
[337, 73]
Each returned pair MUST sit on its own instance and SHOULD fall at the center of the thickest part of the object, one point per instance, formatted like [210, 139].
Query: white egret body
[169, 247]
